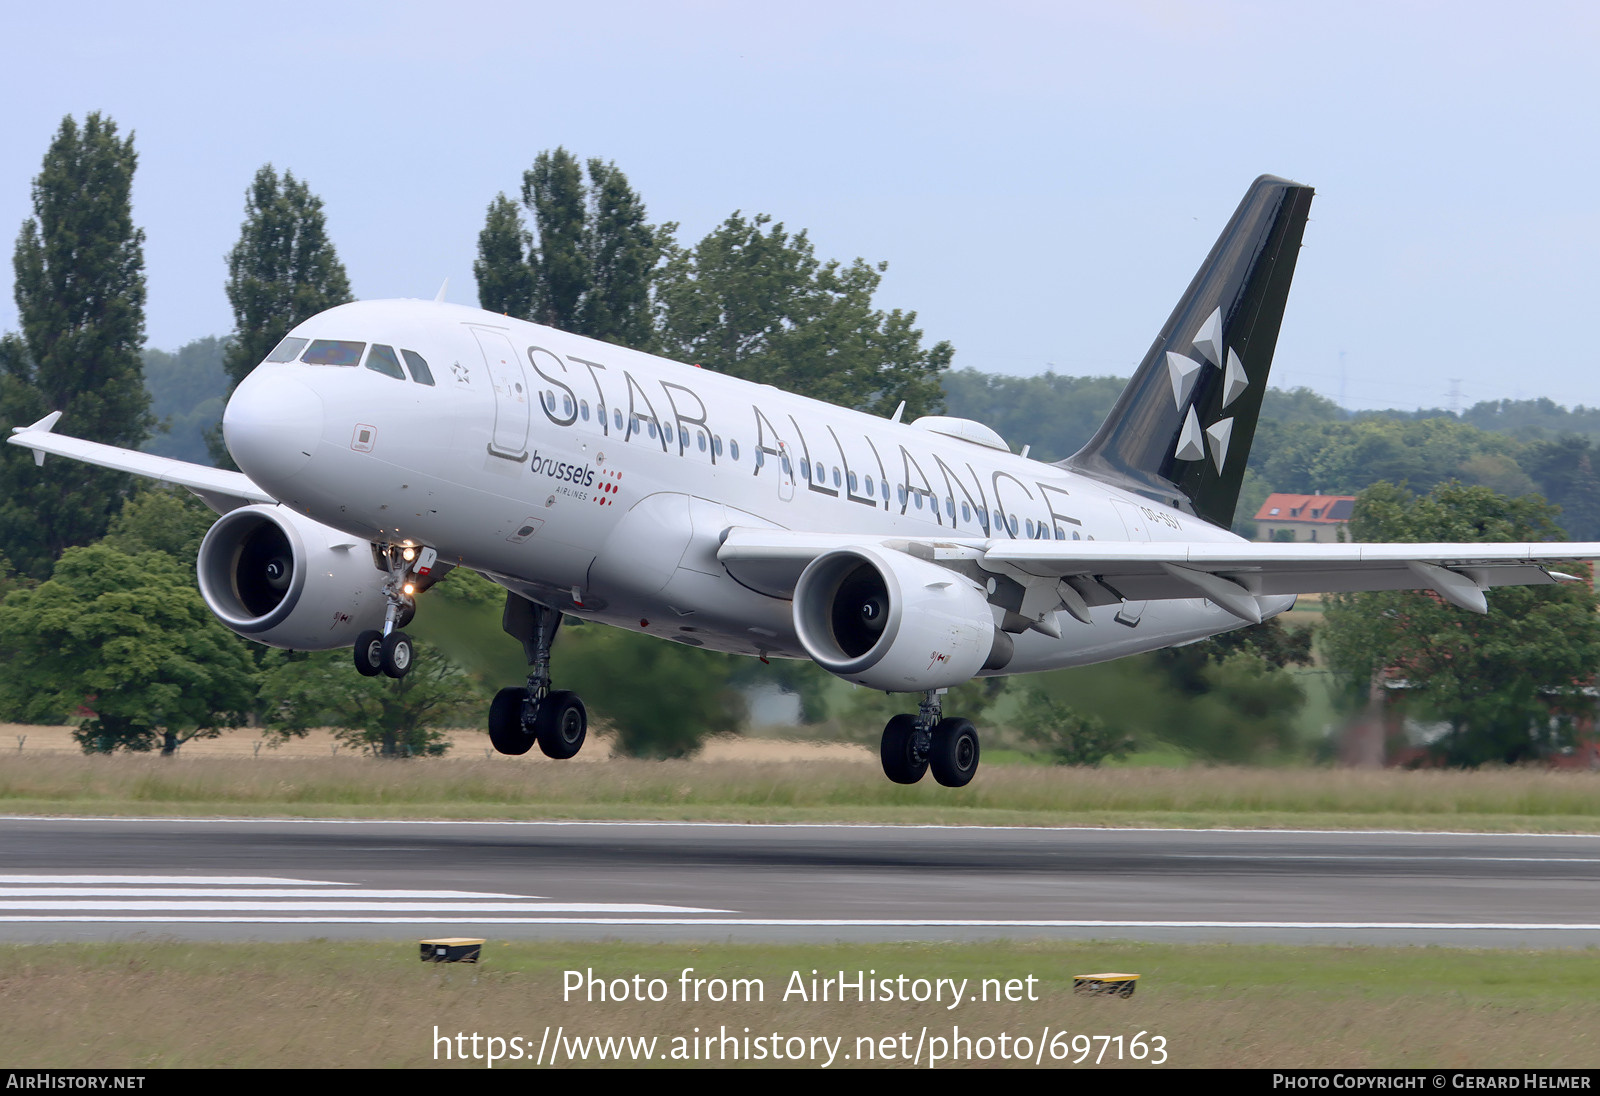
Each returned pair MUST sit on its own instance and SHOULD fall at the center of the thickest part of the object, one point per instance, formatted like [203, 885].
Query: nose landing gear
[913, 744]
[390, 651]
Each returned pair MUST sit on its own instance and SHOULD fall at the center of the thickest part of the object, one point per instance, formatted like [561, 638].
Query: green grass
[151, 1004]
[812, 791]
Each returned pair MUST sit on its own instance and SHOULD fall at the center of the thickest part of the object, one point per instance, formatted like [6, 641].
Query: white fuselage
[599, 480]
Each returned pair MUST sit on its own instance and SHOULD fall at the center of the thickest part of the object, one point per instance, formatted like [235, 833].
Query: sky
[1043, 179]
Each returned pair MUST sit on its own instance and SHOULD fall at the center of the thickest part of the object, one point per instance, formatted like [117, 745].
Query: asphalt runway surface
[81, 879]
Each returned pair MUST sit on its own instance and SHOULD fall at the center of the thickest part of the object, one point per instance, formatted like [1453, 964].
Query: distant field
[763, 780]
[153, 1004]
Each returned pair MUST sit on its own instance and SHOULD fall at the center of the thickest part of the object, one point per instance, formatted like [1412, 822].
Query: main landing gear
[390, 651]
[913, 744]
[525, 714]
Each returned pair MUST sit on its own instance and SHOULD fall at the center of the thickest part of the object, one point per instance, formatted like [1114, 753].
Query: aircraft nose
[272, 425]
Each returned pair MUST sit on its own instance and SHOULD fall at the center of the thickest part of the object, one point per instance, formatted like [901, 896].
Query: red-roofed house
[1303, 517]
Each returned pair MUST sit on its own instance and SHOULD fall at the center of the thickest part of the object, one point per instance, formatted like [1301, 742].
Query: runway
[76, 879]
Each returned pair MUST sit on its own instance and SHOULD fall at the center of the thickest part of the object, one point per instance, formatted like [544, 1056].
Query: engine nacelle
[279, 578]
[890, 621]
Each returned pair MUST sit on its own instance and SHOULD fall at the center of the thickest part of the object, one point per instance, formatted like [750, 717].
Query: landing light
[410, 589]
[409, 554]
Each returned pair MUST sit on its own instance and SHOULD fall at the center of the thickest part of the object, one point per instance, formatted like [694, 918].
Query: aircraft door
[512, 412]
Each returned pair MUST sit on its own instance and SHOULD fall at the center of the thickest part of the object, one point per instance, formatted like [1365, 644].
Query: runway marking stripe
[239, 892]
[731, 922]
[369, 907]
[176, 880]
[1437, 858]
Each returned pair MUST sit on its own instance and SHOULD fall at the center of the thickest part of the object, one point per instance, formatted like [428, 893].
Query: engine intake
[279, 578]
[887, 620]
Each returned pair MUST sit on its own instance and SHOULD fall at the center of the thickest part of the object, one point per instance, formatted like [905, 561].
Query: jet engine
[279, 578]
[890, 621]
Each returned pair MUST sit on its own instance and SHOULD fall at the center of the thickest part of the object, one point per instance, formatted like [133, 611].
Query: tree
[756, 303]
[1067, 737]
[505, 282]
[1052, 414]
[382, 716]
[283, 269]
[125, 645]
[623, 252]
[1503, 682]
[188, 391]
[675, 696]
[156, 518]
[591, 267]
[80, 296]
[553, 191]
[1565, 473]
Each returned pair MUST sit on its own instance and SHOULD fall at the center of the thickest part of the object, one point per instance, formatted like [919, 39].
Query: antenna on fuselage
[439, 296]
[898, 411]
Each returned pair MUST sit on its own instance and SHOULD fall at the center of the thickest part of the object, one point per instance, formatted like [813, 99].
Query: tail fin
[1181, 431]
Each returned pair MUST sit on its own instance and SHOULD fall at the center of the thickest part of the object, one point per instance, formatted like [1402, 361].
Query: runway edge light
[1104, 985]
[452, 949]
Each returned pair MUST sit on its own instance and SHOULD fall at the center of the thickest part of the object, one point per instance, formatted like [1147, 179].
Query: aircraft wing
[1076, 575]
[219, 489]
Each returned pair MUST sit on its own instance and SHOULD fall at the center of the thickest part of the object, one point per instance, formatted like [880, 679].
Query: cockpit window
[333, 352]
[382, 360]
[423, 375]
[288, 350]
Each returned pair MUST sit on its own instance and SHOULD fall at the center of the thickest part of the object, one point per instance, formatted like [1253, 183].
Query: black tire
[397, 654]
[898, 751]
[369, 653]
[562, 725]
[506, 732]
[954, 756]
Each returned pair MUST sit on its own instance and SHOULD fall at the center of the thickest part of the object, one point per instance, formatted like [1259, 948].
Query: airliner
[385, 443]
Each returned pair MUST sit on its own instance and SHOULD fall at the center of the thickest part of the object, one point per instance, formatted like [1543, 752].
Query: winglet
[439, 296]
[47, 424]
[44, 425]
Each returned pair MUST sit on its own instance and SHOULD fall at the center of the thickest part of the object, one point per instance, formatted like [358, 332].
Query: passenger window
[419, 368]
[382, 360]
[733, 449]
[333, 352]
[700, 436]
[966, 512]
[871, 489]
[583, 409]
[836, 480]
[805, 468]
[616, 413]
[287, 350]
[852, 482]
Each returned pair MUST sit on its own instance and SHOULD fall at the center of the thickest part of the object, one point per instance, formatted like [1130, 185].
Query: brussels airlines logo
[1185, 371]
[579, 475]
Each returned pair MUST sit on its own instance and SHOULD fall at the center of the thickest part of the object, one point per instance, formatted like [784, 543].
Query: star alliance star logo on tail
[1184, 371]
